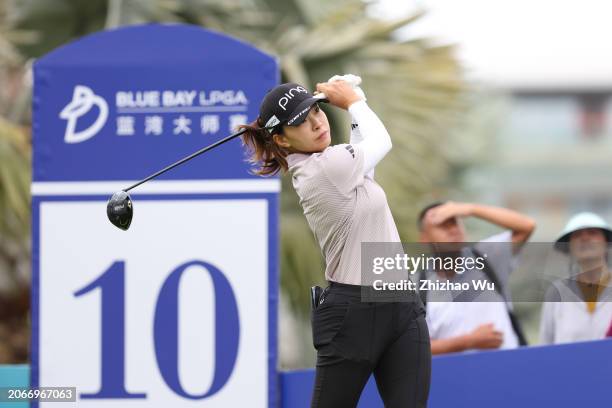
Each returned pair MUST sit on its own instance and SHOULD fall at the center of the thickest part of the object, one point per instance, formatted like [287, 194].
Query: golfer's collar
[295, 158]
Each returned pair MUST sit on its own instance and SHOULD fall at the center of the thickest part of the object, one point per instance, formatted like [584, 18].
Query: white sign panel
[134, 317]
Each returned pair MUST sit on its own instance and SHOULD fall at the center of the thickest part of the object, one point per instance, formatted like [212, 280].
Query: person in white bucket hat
[579, 222]
[579, 308]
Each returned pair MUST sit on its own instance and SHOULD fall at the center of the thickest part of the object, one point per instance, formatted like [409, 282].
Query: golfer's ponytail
[267, 157]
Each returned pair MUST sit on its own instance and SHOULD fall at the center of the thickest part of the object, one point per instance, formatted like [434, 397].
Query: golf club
[120, 209]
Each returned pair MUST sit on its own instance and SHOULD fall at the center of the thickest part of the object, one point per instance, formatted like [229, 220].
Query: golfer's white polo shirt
[342, 206]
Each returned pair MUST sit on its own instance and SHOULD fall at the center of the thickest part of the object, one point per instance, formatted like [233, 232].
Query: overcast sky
[540, 43]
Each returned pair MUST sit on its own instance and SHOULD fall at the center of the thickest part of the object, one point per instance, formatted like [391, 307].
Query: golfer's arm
[521, 225]
[450, 345]
[375, 140]
[356, 138]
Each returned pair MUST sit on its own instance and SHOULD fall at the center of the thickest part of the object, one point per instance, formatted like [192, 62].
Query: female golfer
[344, 207]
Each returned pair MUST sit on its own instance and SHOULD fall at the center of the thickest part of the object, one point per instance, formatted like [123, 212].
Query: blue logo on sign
[83, 100]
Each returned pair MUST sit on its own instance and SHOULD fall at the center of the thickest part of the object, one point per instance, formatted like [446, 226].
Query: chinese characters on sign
[180, 112]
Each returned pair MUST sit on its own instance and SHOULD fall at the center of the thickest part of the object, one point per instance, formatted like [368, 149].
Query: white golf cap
[580, 221]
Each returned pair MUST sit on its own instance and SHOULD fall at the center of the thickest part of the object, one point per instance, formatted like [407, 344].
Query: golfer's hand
[339, 93]
[353, 80]
[485, 337]
[448, 210]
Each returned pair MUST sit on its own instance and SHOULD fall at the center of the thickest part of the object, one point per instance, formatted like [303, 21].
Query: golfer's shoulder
[341, 152]
[307, 170]
[339, 158]
[334, 164]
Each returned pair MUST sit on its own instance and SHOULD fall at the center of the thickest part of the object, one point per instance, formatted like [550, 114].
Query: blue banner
[182, 308]
[119, 105]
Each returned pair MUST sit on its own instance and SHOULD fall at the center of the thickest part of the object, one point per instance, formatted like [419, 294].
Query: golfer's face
[588, 243]
[312, 135]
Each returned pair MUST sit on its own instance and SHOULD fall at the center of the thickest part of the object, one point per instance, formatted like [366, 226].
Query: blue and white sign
[179, 311]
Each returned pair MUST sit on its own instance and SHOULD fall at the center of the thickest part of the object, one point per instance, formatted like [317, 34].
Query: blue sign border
[273, 272]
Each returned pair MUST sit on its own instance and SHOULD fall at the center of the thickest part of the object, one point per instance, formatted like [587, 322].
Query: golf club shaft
[191, 156]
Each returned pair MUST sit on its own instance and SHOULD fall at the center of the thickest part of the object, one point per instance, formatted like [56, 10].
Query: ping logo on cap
[282, 102]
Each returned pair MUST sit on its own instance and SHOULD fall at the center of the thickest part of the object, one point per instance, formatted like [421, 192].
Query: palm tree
[416, 88]
[14, 204]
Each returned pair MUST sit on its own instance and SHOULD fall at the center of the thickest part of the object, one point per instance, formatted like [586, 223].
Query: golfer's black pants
[355, 339]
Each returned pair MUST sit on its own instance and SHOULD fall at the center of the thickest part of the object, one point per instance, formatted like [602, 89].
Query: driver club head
[119, 210]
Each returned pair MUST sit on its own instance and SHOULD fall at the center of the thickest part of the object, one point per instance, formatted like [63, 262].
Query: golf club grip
[183, 160]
